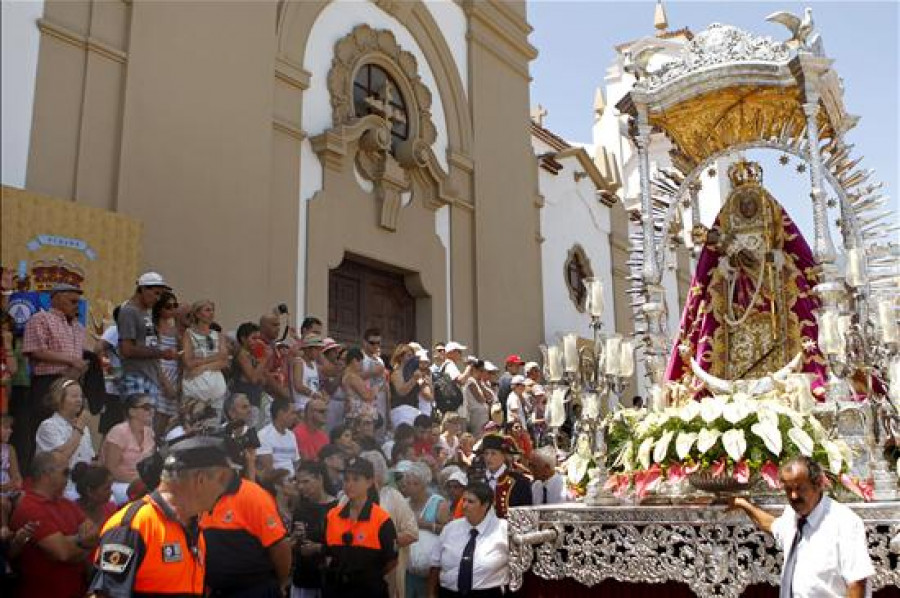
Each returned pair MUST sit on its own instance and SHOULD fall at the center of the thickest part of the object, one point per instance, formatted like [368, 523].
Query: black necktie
[787, 577]
[545, 493]
[465, 566]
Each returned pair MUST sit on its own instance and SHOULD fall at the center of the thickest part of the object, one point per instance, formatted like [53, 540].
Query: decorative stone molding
[411, 164]
[364, 45]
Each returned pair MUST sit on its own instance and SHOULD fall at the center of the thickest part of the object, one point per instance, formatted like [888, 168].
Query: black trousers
[488, 593]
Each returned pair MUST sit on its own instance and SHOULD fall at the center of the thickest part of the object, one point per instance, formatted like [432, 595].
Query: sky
[576, 39]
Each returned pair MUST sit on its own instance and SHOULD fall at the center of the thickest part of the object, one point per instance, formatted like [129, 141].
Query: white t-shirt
[513, 402]
[54, 432]
[832, 551]
[282, 447]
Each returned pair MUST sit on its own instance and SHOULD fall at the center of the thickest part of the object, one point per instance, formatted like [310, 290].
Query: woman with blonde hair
[65, 432]
[205, 357]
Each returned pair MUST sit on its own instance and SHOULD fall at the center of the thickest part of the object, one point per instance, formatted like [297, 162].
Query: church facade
[369, 163]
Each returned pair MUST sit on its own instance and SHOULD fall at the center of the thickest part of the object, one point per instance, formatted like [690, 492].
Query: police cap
[360, 466]
[198, 452]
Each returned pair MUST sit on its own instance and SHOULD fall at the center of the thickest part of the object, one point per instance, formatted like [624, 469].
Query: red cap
[510, 359]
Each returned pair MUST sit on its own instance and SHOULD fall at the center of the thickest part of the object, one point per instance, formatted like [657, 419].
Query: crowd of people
[324, 430]
[168, 457]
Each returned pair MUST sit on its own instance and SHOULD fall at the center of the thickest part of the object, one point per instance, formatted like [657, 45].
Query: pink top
[132, 452]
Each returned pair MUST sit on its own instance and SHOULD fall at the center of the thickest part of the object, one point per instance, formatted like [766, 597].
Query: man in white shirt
[373, 372]
[472, 554]
[548, 487]
[277, 443]
[824, 542]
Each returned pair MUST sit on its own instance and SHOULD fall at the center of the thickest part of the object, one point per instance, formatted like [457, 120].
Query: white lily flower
[644, 452]
[625, 458]
[706, 439]
[683, 443]
[662, 446]
[770, 435]
[834, 456]
[736, 411]
[689, 411]
[742, 397]
[846, 451]
[819, 431]
[710, 409]
[802, 441]
[735, 443]
[766, 415]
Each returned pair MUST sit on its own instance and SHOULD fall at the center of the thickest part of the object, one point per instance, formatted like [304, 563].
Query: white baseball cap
[517, 379]
[531, 365]
[454, 346]
[458, 476]
[490, 367]
[151, 279]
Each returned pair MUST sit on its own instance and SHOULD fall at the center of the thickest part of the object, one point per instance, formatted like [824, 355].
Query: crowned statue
[750, 308]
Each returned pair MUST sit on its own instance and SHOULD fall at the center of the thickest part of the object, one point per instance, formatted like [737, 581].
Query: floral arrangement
[731, 435]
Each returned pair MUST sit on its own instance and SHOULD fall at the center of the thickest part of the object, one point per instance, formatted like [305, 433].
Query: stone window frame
[365, 45]
[578, 296]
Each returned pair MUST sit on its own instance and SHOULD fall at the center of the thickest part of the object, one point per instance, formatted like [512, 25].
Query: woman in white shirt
[473, 551]
[66, 432]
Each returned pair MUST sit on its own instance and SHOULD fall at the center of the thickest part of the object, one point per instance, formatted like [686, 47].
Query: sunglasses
[374, 341]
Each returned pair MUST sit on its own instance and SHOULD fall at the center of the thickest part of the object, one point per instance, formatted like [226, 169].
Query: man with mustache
[824, 542]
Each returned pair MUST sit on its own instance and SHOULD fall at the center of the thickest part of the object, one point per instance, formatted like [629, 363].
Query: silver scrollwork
[715, 552]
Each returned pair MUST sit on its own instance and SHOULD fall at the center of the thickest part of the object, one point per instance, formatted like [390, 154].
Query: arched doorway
[362, 295]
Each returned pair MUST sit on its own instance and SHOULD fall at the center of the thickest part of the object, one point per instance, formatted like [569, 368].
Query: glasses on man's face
[145, 407]
[374, 341]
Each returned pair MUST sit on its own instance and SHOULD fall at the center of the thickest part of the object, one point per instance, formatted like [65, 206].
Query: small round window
[375, 92]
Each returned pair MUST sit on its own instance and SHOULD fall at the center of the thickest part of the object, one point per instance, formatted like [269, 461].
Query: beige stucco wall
[186, 116]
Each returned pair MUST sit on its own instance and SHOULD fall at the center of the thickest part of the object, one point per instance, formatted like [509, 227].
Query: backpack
[448, 395]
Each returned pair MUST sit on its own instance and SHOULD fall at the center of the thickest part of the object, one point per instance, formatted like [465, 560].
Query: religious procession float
[785, 346]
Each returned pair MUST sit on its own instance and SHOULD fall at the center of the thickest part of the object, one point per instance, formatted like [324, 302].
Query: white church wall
[452, 20]
[571, 215]
[20, 44]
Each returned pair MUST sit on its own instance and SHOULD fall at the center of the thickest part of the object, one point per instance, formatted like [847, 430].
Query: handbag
[420, 553]
[207, 386]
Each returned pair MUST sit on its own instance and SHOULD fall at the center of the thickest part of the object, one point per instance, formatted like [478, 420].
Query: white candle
[613, 357]
[657, 399]
[594, 296]
[570, 351]
[626, 358]
[829, 338]
[887, 321]
[856, 267]
[553, 363]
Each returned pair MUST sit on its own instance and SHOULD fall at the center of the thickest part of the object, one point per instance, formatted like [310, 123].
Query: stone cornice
[77, 40]
[503, 23]
[291, 73]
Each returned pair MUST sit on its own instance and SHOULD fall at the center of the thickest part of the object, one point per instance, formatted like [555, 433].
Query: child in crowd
[10, 477]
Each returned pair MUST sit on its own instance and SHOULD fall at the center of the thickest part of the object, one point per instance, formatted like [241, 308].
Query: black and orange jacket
[145, 551]
[238, 532]
[358, 551]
